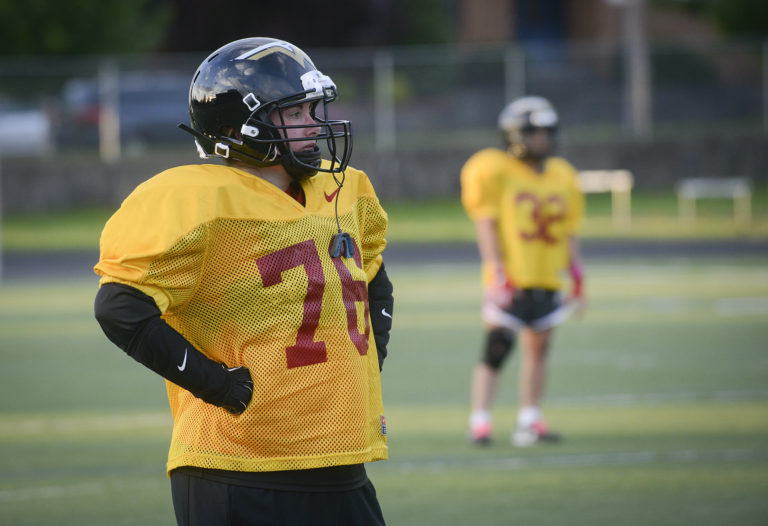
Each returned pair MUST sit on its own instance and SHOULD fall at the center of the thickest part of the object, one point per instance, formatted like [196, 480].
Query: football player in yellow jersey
[256, 288]
[527, 207]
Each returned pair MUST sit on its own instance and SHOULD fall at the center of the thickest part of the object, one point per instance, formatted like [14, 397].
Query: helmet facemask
[520, 142]
[524, 117]
[335, 135]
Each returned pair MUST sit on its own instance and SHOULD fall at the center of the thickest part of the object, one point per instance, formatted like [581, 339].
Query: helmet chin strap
[528, 156]
[221, 148]
[299, 164]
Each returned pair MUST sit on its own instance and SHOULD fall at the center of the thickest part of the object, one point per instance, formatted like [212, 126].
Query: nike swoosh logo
[385, 313]
[329, 198]
[184, 363]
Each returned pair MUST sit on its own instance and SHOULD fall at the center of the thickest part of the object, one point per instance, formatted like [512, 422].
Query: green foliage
[741, 18]
[423, 22]
[40, 27]
[746, 18]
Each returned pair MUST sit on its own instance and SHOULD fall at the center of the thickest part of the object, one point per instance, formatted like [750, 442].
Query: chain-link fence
[417, 112]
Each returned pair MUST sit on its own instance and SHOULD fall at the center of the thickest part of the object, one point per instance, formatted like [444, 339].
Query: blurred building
[528, 22]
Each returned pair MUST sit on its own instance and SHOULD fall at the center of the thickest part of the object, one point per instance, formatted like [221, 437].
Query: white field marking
[51, 492]
[748, 305]
[584, 460]
[41, 425]
[754, 305]
[70, 490]
[667, 304]
[634, 399]
[608, 358]
[726, 307]
[437, 465]
[676, 266]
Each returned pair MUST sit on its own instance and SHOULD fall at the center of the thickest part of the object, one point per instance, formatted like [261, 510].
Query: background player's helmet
[524, 115]
[238, 86]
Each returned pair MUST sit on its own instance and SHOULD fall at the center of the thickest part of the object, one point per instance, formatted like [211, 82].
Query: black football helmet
[238, 86]
[524, 115]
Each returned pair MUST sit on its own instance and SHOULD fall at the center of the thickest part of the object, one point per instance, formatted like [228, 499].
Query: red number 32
[544, 213]
[307, 351]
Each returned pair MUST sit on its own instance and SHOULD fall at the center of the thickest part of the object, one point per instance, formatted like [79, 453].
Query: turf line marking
[41, 425]
[634, 399]
[12, 426]
[71, 490]
[586, 460]
[50, 492]
[740, 306]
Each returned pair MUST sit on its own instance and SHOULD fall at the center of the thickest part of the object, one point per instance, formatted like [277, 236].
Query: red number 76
[307, 351]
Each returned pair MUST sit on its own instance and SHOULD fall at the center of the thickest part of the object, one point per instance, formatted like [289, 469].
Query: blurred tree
[42, 27]
[135, 26]
[200, 25]
[424, 22]
[738, 18]
[745, 18]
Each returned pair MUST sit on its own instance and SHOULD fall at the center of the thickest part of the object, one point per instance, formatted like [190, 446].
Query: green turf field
[661, 392]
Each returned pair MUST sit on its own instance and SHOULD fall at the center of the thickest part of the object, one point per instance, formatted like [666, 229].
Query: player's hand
[500, 291]
[577, 297]
[239, 389]
[579, 305]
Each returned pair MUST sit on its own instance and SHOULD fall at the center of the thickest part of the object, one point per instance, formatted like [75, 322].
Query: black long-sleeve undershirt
[131, 320]
[381, 304]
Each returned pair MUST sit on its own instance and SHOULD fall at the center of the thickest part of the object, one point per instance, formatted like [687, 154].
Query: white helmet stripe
[284, 45]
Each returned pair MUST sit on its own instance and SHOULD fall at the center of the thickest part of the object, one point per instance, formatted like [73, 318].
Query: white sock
[528, 415]
[479, 416]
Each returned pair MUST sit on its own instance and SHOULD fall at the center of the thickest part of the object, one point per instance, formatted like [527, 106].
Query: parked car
[149, 106]
[24, 130]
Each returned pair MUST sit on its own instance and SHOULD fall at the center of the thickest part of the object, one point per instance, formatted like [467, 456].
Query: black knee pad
[498, 345]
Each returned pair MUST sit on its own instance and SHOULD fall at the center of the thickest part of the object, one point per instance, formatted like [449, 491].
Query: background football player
[256, 288]
[526, 206]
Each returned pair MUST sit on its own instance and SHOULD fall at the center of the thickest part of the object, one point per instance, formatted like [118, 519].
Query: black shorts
[533, 307]
[203, 501]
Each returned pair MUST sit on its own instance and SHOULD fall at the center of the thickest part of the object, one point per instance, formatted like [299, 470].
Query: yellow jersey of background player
[535, 213]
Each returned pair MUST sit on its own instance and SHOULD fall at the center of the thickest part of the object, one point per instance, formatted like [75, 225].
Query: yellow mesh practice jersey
[244, 273]
[535, 213]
